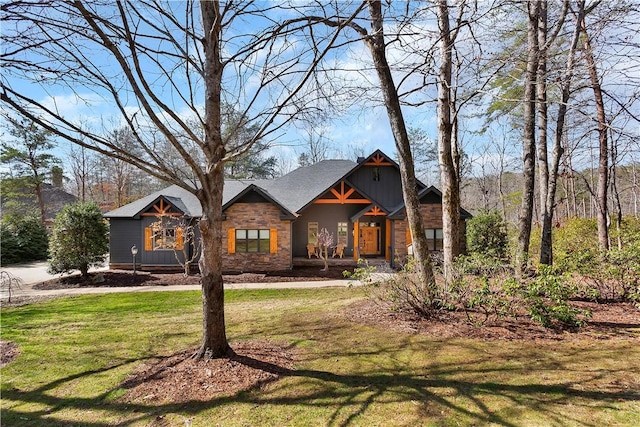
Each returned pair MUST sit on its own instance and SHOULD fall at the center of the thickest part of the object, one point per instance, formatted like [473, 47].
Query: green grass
[76, 351]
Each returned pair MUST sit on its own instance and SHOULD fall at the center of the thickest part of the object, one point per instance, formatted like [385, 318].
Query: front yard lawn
[77, 357]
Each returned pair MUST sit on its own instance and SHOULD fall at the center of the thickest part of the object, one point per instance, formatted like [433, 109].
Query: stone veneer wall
[256, 216]
[432, 217]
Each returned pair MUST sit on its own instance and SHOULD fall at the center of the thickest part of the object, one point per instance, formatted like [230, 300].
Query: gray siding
[327, 216]
[160, 257]
[124, 233]
[387, 192]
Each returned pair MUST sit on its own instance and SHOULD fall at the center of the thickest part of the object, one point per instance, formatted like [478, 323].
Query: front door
[370, 240]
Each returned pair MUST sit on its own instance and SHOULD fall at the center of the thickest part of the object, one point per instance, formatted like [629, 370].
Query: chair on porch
[338, 250]
[312, 250]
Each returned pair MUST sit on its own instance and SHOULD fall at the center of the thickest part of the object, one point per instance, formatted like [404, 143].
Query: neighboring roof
[54, 199]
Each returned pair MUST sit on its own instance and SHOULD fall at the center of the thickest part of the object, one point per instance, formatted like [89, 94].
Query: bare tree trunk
[529, 139]
[603, 151]
[40, 199]
[546, 245]
[543, 163]
[546, 211]
[614, 190]
[376, 45]
[447, 152]
[634, 188]
[214, 340]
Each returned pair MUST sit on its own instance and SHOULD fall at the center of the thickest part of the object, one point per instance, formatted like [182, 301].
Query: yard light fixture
[134, 252]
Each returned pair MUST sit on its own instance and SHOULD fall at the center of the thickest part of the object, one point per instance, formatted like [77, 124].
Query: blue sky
[364, 125]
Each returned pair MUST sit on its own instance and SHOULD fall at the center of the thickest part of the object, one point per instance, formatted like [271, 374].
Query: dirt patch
[179, 378]
[613, 320]
[8, 352]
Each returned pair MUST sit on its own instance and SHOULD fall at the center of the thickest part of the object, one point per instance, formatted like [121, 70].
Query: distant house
[270, 224]
[54, 198]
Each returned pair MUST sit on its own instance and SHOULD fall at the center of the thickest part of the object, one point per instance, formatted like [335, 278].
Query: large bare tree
[376, 44]
[603, 145]
[529, 136]
[161, 65]
[332, 15]
[448, 150]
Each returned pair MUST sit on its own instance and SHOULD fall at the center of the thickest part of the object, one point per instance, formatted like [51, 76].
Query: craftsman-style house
[270, 224]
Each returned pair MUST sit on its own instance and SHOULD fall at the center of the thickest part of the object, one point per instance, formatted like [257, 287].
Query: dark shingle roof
[190, 204]
[292, 191]
[299, 187]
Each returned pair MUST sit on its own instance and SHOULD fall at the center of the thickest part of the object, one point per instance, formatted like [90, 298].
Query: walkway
[36, 272]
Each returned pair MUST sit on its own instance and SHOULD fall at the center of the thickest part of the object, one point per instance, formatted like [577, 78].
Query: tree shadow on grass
[359, 392]
[346, 396]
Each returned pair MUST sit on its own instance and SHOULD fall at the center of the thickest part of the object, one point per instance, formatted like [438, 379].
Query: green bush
[604, 276]
[79, 239]
[402, 291]
[547, 298]
[487, 235]
[576, 239]
[24, 239]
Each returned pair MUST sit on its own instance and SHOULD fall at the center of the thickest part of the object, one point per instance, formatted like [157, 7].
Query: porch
[337, 262]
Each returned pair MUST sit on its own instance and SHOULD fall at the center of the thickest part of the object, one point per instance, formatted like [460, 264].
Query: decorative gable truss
[167, 233]
[342, 193]
[375, 211]
[378, 159]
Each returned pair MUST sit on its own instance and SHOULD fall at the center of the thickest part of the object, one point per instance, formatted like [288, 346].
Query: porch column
[356, 240]
[387, 240]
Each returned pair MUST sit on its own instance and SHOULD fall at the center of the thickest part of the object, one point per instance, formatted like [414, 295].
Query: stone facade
[432, 217]
[257, 216]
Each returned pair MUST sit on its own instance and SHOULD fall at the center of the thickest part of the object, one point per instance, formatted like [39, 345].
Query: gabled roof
[398, 211]
[298, 188]
[182, 199]
[254, 188]
[367, 209]
[290, 193]
[379, 156]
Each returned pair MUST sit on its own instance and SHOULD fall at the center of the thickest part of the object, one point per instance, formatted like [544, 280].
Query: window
[159, 237]
[164, 238]
[376, 174]
[312, 233]
[343, 232]
[255, 241]
[434, 238]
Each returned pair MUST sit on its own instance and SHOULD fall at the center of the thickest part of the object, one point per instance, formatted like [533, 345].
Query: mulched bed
[121, 278]
[608, 321]
[179, 378]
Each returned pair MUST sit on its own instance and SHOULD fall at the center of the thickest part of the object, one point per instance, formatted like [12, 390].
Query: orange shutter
[231, 241]
[148, 239]
[273, 241]
[179, 239]
[408, 236]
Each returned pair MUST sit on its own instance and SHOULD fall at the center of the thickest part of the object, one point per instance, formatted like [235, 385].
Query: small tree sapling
[185, 238]
[325, 240]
